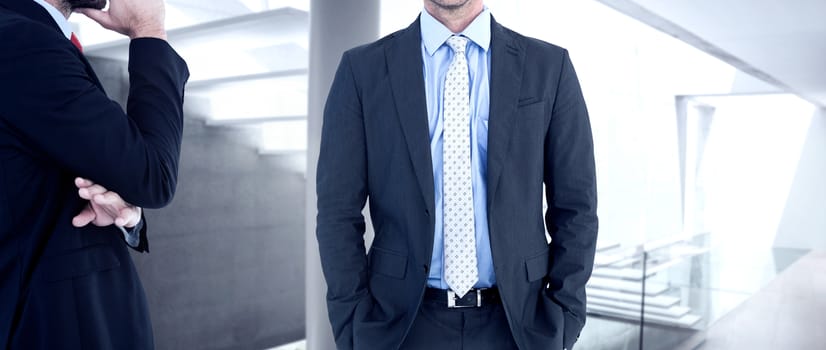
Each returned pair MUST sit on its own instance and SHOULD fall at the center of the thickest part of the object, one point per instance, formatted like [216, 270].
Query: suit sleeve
[342, 191]
[62, 115]
[570, 182]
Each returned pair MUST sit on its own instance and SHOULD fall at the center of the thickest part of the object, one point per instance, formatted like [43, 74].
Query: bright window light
[284, 137]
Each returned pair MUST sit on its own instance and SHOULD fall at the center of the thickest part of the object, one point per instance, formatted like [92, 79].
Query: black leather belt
[473, 298]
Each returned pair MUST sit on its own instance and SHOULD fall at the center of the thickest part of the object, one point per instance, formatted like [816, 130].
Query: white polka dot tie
[461, 272]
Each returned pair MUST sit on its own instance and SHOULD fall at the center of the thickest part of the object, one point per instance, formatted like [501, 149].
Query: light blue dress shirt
[437, 57]
[131, 236]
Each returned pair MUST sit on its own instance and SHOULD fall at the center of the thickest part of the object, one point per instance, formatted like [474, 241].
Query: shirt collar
[434, 33]
[58, 17]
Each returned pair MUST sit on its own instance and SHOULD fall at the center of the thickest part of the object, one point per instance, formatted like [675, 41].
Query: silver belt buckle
[451, 299]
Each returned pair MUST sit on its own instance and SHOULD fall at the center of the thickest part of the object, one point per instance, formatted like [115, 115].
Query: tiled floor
[789, 313]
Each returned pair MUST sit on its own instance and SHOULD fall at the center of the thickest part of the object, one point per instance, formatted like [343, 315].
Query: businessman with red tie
[75, 171]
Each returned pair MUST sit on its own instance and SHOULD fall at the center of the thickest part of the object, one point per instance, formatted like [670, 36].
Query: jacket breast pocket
[80, 263]
[531, 107]
[387, 262]
[537, 266]
[529, 129]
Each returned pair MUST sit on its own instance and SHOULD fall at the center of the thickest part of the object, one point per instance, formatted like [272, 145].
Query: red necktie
[76, 42]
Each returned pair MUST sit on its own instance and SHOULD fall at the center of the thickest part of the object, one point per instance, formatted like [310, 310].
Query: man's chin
[86, 4]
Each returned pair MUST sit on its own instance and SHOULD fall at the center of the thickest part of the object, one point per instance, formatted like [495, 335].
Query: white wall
[754, 148]
[803, 224]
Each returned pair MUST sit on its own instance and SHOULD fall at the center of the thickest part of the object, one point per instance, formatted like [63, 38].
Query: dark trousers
[438, 328]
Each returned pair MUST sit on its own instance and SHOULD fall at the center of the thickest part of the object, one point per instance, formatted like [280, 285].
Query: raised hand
[133, 18]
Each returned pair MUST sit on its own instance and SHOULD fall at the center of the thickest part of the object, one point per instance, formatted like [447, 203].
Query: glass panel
[614, 299]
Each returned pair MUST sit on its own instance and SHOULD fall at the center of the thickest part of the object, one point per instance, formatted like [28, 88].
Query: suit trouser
[437, 327]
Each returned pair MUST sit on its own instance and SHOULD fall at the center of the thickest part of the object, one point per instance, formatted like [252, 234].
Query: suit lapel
[507, 60]
[91, 72]
[404, 61]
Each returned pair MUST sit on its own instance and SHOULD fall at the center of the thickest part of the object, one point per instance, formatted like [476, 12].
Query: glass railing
[666, 294]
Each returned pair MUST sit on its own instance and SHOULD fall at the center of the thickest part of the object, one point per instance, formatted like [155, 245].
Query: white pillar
[335, 26]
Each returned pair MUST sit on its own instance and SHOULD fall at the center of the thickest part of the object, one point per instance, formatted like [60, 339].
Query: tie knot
[457, 43]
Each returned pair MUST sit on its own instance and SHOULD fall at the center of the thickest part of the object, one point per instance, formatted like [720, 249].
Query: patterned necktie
[76, 42]
[461, 272]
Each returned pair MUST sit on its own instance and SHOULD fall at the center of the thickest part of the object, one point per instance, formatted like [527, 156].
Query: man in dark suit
[450, 128]
[65, 284]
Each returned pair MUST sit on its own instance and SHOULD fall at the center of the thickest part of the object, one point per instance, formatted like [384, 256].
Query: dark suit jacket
[63, 287]
[375, 145]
